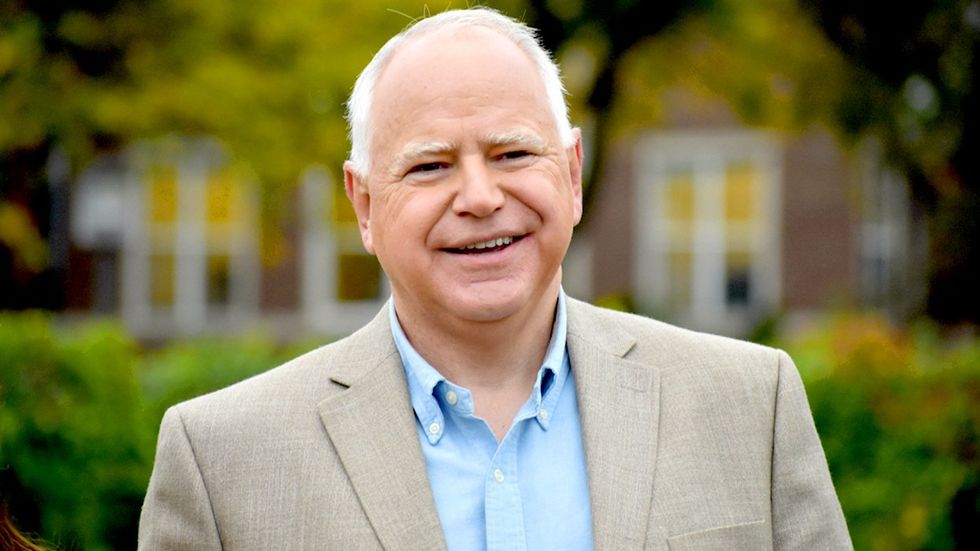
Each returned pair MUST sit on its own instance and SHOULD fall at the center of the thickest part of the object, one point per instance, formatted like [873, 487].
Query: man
[483, 409]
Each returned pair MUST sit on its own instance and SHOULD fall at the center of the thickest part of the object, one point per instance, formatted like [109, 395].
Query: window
[190, 246]
[343, 285]
[890, 278]
[707, 247]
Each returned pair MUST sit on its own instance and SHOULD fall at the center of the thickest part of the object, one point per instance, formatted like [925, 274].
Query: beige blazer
[692, 442]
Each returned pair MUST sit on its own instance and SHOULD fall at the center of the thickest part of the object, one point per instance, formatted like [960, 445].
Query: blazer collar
[619, 404]
[372, 427]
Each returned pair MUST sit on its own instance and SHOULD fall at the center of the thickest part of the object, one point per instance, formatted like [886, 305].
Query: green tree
[908, 79]
[609, 31]
[914, 83]
[74, 448]
[268, 79]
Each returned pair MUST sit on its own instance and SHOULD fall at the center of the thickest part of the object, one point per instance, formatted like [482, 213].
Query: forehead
[474, 52]
[454, 73]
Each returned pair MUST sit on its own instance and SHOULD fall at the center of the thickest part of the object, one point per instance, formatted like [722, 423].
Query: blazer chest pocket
[750, 536]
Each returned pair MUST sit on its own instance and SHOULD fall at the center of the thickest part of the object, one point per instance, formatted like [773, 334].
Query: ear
[574, 154]
[357, 192]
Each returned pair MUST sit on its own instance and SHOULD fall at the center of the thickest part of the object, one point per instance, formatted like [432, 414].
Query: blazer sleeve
[806, 513]
[177, 512]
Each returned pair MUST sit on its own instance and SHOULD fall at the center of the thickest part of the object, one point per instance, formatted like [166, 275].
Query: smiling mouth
[491, 245]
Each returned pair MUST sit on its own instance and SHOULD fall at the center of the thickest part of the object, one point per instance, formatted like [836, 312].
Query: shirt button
[498, 475]
[434, 428]
[543, 414]
[451, 398]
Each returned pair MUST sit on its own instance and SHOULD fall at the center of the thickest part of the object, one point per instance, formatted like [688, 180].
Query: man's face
[470, 200]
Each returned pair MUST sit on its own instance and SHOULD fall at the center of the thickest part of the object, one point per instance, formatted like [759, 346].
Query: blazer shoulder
[302, 381]
[662, 345]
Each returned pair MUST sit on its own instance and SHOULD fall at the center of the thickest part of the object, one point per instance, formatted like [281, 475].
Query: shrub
[187, 369]
[898, 413]
[73, 447]
[79, 413]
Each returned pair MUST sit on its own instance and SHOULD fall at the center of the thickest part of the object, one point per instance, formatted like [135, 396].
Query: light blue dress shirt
[529, 491]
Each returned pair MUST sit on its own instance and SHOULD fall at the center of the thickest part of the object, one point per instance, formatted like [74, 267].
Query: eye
[426, 167]
[511, 155]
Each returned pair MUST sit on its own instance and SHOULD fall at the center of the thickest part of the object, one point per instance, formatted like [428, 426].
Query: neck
[505, 353]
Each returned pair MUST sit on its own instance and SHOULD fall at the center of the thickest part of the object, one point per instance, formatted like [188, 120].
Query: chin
[488, 306]
[485, 311]
[497, 303]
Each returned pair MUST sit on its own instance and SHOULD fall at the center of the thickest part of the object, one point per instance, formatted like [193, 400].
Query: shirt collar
[425, 382]
[554, 370]
[422, 380]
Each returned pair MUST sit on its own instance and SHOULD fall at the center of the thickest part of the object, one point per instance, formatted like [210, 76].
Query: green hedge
[899, 416]
[898, 412]
[79, 411]
[75, 449]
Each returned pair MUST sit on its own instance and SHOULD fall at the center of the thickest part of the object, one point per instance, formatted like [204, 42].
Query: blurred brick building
[703, 222]
[714, 225]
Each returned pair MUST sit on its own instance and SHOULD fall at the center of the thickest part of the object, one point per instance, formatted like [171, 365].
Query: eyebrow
[411, 153]
[513, 137]
[415, 151]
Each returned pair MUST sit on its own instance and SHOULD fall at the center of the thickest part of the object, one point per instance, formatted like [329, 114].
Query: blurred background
[800, 173]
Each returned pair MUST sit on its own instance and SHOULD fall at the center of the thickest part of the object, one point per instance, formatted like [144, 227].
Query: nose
[479, 193]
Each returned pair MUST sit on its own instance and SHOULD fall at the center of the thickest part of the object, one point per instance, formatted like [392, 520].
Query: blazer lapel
[620, 409]
[372, 426]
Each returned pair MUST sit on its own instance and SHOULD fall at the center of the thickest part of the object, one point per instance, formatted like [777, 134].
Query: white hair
[525, 37]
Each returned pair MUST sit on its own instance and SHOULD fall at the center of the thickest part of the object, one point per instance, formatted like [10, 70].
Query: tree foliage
[913, 82]
[74, 448]
[898, 413]
[764, 59]
[605, 33]
[269, 79]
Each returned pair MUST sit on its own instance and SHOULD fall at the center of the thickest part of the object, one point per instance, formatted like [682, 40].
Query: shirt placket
[502, 498]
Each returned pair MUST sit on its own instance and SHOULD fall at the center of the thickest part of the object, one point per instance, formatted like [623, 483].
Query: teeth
[500, 241]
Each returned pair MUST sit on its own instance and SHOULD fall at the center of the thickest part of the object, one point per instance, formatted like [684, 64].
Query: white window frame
[707, 153]
[322, 241]
[191, 314]
[885, 232]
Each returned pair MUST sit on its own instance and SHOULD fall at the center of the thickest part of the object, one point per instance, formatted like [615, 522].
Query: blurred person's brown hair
[11, 539]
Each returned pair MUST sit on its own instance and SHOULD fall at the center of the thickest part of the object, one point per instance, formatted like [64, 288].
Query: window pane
[161, 198]
[162, 280]
[737, 278]
[680, 196]
[219, 280]
[358, 277]
[679, 274]
[224, 209]
[741, 180]
[222, 199]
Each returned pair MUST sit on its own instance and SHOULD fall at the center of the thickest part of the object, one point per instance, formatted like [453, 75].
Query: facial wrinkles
[412, 111]
[424, 152]
[469, 112]
[418, 152]
[518, 137]
[449, 127]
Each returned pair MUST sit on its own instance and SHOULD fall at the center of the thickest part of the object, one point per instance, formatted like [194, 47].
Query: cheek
[548, 194]
[407, 217]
